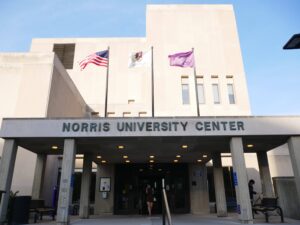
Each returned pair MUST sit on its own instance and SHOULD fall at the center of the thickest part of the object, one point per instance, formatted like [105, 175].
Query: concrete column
[65, 190]
[219, 185]
[198, 189]
[241, 180]
[294, 149]
[104, 203]
[38, 178]
[6, 174]
[85, 187]
[265, 176]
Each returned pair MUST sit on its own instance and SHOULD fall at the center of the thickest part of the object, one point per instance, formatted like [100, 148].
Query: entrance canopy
[139, 138]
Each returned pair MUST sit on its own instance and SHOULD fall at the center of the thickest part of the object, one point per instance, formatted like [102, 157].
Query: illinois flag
[182, 59]
[97, 58]
[137, 59]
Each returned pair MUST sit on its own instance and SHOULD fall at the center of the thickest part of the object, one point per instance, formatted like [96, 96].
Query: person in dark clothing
[149, 198]
[251, 190]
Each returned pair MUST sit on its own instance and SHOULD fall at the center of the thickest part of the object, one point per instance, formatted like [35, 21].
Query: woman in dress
[149, 198]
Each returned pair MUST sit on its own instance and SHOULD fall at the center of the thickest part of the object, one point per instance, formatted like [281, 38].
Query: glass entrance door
[130, 187]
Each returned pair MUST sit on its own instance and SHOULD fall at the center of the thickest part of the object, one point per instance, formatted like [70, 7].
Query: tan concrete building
[200, 114]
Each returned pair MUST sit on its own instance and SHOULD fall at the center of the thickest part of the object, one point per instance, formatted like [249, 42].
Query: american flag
[98, 58]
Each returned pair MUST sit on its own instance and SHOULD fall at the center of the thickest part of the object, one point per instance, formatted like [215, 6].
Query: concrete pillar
[198, 189]
[294, 149]
[265, 176]
[65, 190]
[85, 187]
[38, 178]
[6, 174]
[104, 203]
[241, 180]
[219, 185]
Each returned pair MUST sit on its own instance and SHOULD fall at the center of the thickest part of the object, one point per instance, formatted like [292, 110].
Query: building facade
[112, 141]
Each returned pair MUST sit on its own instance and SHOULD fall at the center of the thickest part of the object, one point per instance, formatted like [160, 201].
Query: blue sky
[264, 26]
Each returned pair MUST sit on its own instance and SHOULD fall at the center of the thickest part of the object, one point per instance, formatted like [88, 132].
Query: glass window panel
[200, 89]
[231, 94]
[216, 93]
[185, 94]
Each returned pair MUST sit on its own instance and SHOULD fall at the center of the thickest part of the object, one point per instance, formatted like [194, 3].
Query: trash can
[20, 210]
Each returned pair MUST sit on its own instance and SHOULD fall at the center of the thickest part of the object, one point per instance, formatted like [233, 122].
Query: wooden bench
[37, 206]
[268, 205]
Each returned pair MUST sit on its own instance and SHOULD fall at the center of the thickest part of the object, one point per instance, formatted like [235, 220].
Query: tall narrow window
[185, 90]
[200, 90]
[216, 93]
[65, 53]
[230, 94]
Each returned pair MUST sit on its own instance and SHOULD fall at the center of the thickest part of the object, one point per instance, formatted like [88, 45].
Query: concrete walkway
[186, 219]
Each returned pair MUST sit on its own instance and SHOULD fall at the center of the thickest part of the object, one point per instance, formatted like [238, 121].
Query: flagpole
[106, 93]
[196, 89]
[152, 81]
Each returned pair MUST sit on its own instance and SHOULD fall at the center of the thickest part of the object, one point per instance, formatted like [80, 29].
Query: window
[126, 114]
[65, 52]
[216, 93]
[230, 94]
[142, 114]
[185, 90]
[200, 90]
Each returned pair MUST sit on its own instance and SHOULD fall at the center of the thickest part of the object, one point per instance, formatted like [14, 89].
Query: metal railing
[165, 206]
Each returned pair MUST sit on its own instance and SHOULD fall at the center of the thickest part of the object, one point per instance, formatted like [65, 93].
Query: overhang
[142, 137]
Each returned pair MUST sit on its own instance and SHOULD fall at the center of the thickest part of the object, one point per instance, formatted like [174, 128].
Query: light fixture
[250, 145]
[79, 155]
[184, 146]
[178, 156]
[125, 156]
[99, 157]
[54, 147]
[199, 160]
[141, 170]
[127, 161]
[120, 146]
[175, 160]
[151, 156]
[151, 161]
[103, 161]
[204, 156]
[159, 169]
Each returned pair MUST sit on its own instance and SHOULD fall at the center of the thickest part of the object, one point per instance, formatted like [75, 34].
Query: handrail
[165, 205]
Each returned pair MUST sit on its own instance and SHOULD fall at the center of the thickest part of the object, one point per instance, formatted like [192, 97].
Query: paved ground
[186, 219]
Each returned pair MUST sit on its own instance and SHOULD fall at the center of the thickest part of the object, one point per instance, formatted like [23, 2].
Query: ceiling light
[120, 146]
[79, 155]
[151, 156]
[103, 161]
[99, 157]
[127, 161]
[204, 156]
[184, 146]
[178, 156]
[151, 161]
[175, 160]
[125, 156]
[54, 147]
[159, 169]
[250, 145]
[199, 160]
[141, 170]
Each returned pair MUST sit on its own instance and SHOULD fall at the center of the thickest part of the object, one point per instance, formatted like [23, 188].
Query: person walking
[149, 198]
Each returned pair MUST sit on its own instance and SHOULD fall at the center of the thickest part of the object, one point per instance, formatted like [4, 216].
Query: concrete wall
[104, 205]
[210, 29]
[24, 88]
[198, 189]
[64, 98]
[35, 85]
[285, 189]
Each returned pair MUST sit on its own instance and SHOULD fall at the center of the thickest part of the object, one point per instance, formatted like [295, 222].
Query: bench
[268, 205]
[37, 206]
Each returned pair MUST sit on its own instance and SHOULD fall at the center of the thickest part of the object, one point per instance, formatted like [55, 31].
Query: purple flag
[182, 59]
